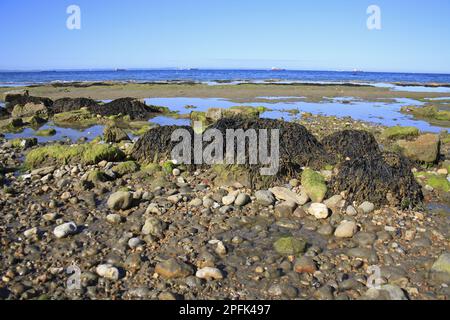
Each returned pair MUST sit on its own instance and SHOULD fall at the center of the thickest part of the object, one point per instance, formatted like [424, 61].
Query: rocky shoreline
[159, 230]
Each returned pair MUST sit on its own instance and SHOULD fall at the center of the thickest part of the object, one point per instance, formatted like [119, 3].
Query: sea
[22, 78]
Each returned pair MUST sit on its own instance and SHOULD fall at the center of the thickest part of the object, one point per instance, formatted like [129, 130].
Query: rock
[208, 202]
[334, 201]
[287, 195]
[394, 292]
[29, 110]
[442, 264]
[424, 149]
[197, 202]
[114, 134]
[176, 172]
[314, 185]
[346, 229]
[31, 232]
[285, 209]
[289, 246]
[305, 265]
[108, 271]
[318, 210]
[367, 207]
[114, 218]
[242, 199]
[214, 114]
[325, 230]
[133, 243]
[208, 273]
[265, 197]
[65, 230]
[365, 238]
[153, 226]
[228, 200]
[279, 290]
[120, 200]
[43, 171]
[172, 269]
[351, 211]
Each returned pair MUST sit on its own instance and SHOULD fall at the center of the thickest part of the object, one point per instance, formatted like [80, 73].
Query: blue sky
[294, 34]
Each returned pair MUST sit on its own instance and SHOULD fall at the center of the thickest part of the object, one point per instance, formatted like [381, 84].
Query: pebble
[153, 226]
[173, 268]
[351, 211]
[108, 271]
[265, 197]
[114, 218]
[318, 210]
[197, 202]
[287, 195]
[346, 229]
[31, 232]
[209, 273]
[120, 200]
[367, 207]
[242, 199]
[65, 230]
[228, 200]
[305, 265]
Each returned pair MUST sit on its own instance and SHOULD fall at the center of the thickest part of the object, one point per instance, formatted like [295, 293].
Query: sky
[223, 34]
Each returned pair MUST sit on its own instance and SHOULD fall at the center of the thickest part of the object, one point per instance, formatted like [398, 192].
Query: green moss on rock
[62, 154]
[46, 133]
[289, 246]
[399, 132]
[126, 168]
[314, 185]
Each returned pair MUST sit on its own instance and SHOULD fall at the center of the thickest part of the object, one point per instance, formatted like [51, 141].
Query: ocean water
[218, 76]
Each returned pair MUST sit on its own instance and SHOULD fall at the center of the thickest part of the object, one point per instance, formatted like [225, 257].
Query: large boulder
[383, 179]
[114, 134]
[424, 149]
[351, 144]
[71, 104]
[14, 99]
[29, 110]
[133, 108]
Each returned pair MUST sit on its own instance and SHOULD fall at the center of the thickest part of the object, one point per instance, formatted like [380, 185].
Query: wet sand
[242, 92]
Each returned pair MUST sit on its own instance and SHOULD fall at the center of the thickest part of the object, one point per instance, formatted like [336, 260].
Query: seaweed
[351, 144]
[381, 179]
[72, 104]
[134, 109]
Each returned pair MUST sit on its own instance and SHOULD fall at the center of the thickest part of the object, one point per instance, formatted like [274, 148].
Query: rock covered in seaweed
[156, 145]
[381, 179]
[131, 107]
[12, 100]
[351, 144]
[71, 104]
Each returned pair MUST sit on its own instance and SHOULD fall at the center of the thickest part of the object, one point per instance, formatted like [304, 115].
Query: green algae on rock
[124, 168]
[423, 149]
[62, 154]
[399, 132]
[314, 185]
[290, 246]
[46, 132]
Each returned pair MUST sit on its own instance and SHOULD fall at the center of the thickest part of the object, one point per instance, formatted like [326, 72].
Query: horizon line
[213, 69]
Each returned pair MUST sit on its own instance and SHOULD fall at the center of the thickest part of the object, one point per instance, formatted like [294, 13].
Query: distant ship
[278, 69]
[117, 70]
